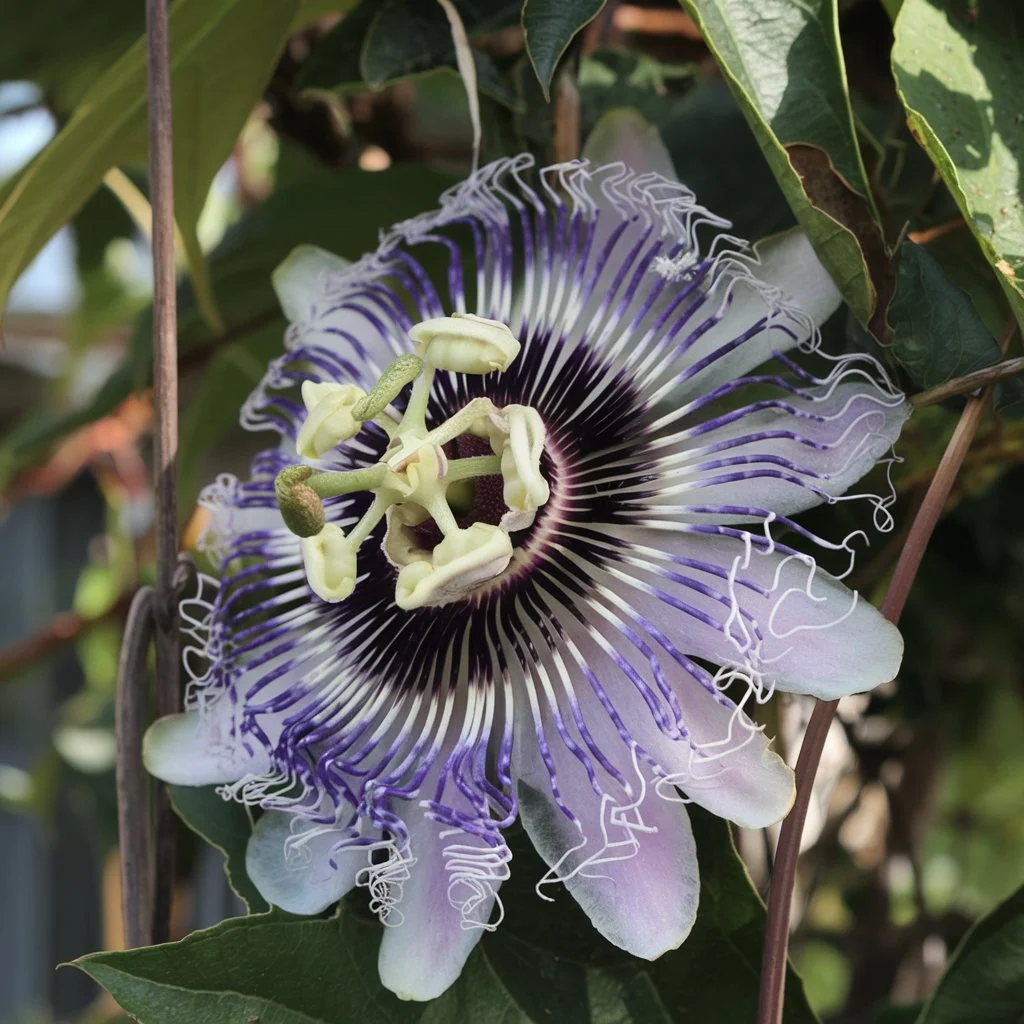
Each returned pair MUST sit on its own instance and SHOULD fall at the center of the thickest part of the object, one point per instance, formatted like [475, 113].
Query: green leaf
[286, 971]
[896, 1013]
[65, 45]
[263, 968]
[379, 43]
[984, 983]
[712, 976]
[311, 10]
[343, 212]
[960, 72]
[784, 64]
[225, 825]
[222, 56]
[937, 332]
[549, 26]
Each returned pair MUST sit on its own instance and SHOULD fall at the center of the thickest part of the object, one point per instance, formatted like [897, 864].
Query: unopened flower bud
[465, 343]
[330, 563]
[330, 420]
[461, 562]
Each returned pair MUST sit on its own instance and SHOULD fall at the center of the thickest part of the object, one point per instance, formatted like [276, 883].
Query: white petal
[297, 866]
[803, 629]
[640, 887]
[789, 263]
[788, 271]
[299, 280]
[625, 135]
[722, 761]
[424, 955]
[190, 749]
[786, 459]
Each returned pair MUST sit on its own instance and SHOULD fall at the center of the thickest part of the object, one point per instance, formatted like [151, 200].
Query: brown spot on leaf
[1006, 269]
[829, 192]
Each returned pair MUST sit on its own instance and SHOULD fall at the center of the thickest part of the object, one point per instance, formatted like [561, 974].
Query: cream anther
[465, 343]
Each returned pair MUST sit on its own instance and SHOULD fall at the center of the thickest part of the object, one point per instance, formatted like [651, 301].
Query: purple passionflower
[552, 603]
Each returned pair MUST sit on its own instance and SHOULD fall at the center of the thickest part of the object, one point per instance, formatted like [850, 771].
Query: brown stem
[969, 382]
[165, 384]
[136, 853]
[927, 235]
[780, 899]
[565, 109]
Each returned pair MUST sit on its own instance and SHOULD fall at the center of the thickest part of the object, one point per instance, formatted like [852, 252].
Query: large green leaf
[938, 334]
[960, 71]
[783, 61]
[225, 825]
[223, 52]
[65, 45]
[544, 963]
[984, 983]
[383, 41]
[549, 26]
[287, 971]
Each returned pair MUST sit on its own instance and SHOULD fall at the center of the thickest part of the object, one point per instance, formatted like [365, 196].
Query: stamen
[414, 475]
[465, 343]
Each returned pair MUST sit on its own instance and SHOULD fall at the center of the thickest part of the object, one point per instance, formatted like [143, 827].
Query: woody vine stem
[147, 867]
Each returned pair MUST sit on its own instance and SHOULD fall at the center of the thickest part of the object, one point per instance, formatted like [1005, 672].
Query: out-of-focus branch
[655, 22]
[565, 108]
[63, 629]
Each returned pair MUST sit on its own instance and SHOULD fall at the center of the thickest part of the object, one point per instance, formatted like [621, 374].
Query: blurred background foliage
[897, 148]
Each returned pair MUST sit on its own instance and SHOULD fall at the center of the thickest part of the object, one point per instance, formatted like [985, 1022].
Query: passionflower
[546, 568]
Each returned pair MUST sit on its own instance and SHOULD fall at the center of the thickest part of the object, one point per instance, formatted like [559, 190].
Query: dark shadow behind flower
[389, 746]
